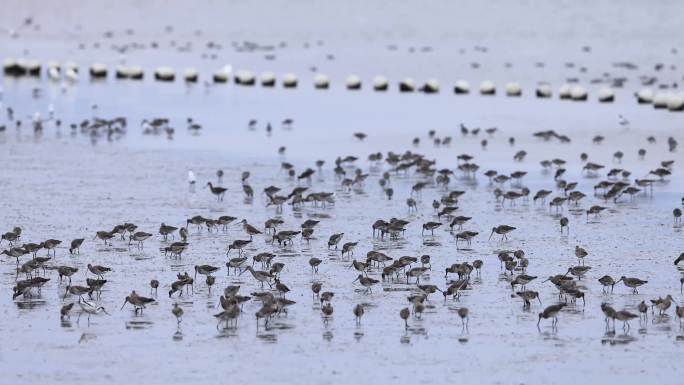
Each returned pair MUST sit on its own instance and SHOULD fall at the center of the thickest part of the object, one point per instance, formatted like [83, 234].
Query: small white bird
[191, 180]
[71, 75]
[623, 121]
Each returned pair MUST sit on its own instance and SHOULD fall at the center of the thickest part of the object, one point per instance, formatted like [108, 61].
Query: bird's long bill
[242, 271]
[619, 280]
[490, 235]
[124, 304]
[357, 278]
[539, 299]
[105, 311]
[547, 279]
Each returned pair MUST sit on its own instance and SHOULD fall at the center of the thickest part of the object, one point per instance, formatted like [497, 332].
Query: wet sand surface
[64, 185]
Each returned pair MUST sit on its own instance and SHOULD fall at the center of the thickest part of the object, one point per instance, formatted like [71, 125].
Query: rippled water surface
[65, 184]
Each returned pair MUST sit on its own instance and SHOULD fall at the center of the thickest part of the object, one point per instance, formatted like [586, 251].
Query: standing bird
[154, 285]
[565, 222]
[316, 289]
[551, 312]
[218, 191]
[404, 314]
[680, 313]
[165, 230]
[327, 311]
[65, 310]
[463, 313]
[191, 180]
[314, 262]
[76, 245]
[677, 214]
[249, 229]
[358, 313]
[580, 253]
[606, 281]
[334, 240]
[633, 283]
[625, 316]
[177, 311]
[501, 230]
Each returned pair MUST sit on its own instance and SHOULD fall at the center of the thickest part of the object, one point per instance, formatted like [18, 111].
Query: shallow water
[64, 186]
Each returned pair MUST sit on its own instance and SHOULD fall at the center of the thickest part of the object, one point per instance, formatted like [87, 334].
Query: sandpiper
[404, 314]
[76, 245]
[65, 310]
[334, 240]
[316, 288]
[238, 245]
[218, 191]
[139, 237]
[358, 313]
[137, 301]
[261, 276]
[633, 283]
[366, 282]
[154, 285]
[235, 263]
[50, 244]
[463, 313]
[551, 312]
[314, 263]
[98, 270]
[606, 281]
[580, 253]
[166, 230]
[177, 312]
[502, 230]
[249, 229]
[66, 271]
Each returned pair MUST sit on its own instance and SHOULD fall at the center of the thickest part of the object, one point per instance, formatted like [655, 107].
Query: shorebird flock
[254, 254]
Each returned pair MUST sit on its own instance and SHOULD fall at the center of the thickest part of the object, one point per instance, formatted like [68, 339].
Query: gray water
[64, 186]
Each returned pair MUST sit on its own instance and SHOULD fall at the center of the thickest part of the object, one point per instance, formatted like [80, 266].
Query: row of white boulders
[69, 71]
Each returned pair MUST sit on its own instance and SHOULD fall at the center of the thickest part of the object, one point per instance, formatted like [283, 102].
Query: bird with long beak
[137, 301]
[502, 230]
